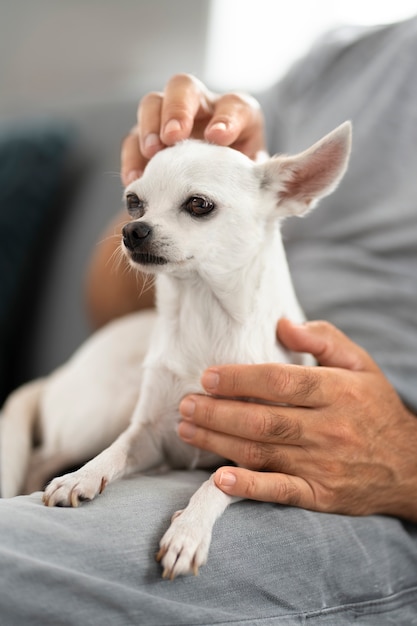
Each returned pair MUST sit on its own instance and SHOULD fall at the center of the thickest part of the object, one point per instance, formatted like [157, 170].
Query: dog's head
[201, 206]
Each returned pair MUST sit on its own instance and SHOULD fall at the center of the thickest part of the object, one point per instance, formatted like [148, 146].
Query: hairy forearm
[402, 498]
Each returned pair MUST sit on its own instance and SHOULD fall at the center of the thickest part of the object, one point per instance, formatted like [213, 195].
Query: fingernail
[187, 407]
[222, 126]
[210, 380]
[227, 479]
[152, 141]
[186, 430]
[131, 176]
[173, 126]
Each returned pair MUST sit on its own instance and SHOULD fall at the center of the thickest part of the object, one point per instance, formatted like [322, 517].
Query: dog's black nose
[135, 234]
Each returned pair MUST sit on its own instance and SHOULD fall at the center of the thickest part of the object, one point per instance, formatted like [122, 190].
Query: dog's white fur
[222, 282]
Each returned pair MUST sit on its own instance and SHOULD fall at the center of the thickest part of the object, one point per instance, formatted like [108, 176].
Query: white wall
[252, 42]
[52, 51]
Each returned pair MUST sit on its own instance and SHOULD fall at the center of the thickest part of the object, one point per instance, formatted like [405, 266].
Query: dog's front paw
[184, 547]
[71, 489]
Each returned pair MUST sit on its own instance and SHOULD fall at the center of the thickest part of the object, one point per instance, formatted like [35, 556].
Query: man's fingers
[310, 387]
[132, 160]
[186, 108]
[252, 454]
[326, 343]
[233, 123]
[266, 487]
[247, 420]
[186, 101]
[226, 446]
[149, 124]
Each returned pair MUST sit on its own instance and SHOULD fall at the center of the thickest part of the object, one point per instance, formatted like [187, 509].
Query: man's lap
[267, 565]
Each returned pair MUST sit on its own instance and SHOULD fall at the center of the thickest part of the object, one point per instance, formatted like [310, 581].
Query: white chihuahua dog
[206, 222]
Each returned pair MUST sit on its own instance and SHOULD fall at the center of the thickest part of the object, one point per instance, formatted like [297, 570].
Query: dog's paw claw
[160, 554]
[183, 549]
[74, 499]
[195, 568]
[73, 489]
[169, 572]
[46, 500]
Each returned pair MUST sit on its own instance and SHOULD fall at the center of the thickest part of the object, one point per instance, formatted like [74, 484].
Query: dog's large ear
[299, 181]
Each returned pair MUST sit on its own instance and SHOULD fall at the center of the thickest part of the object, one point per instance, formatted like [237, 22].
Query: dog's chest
[201, 344]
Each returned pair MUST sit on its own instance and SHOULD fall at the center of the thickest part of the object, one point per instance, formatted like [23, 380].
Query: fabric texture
[353, 262]
[268, 564]
[32, 158]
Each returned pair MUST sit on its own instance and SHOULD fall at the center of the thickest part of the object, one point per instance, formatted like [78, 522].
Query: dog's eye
[197, 206]
[134, 205]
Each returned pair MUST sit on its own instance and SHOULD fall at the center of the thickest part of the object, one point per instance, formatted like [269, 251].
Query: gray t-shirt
[354, 259]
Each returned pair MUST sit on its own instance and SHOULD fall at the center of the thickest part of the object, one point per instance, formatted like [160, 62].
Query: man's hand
[336, 438]
[186, 108]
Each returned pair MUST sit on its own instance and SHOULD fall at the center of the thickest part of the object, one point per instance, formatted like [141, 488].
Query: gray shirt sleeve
[354, 259]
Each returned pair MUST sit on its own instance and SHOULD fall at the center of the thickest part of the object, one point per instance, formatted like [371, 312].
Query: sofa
[60, 186]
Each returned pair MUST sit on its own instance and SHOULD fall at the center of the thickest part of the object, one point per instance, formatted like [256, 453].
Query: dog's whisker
[148, 282]
[114, 235]
[112, 174]
[116, 260]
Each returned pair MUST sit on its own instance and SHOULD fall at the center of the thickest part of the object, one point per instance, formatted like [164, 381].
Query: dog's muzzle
[135, 234]
[137, 237]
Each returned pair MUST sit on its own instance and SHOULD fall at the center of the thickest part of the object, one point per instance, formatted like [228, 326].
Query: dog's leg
[185, 545]
[134, 450]
[18, 424]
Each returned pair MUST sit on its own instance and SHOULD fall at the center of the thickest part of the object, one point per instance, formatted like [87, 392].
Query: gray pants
[268, 564]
